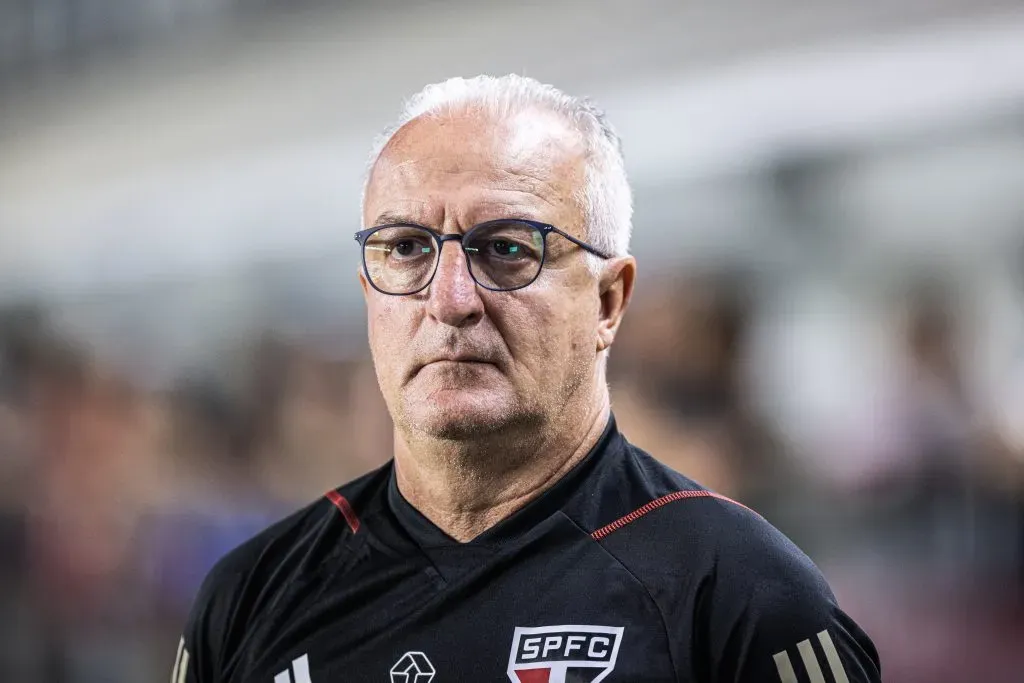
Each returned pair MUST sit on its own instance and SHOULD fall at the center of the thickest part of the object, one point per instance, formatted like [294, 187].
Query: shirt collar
[427, 534]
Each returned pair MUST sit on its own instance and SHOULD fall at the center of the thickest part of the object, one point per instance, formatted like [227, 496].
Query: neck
[465, 490]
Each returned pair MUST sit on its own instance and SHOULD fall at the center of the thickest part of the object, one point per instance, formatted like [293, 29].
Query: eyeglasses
[502, 255]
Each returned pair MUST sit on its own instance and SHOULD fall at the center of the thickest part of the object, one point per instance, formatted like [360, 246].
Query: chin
[462, 414]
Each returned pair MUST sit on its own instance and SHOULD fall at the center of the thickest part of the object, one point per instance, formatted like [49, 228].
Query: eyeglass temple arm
[580, 243]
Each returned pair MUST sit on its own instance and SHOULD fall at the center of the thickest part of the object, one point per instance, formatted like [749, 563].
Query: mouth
[454, 360]
[459, 359]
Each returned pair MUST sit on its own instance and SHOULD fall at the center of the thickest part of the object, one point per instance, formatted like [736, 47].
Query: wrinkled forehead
[462, 162]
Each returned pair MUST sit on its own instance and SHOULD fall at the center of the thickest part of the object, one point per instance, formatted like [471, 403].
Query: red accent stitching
[654, 505]
[346, 509]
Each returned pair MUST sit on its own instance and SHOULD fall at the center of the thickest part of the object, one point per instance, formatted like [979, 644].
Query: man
[516, 535]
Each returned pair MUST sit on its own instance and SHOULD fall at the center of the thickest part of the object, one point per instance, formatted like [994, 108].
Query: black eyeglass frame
[544, 228]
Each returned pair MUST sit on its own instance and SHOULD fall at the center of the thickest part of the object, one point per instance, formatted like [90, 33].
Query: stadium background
[828, 325]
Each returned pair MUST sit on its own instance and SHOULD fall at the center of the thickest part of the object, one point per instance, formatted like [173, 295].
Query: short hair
[606, 198]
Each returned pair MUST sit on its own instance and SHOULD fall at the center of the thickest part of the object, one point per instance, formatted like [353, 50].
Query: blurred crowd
[116, 498]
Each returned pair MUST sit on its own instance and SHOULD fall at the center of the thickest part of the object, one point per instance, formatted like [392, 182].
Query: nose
[453, 297]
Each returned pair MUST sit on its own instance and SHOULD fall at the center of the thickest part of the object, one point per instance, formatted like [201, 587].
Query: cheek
[578, 324]
[388, 332]
[550, 330]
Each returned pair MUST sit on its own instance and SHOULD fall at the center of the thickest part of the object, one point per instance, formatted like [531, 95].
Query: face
[457, 361]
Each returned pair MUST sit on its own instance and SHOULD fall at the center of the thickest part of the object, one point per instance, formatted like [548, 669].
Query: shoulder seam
[345, 507]
[654, 505]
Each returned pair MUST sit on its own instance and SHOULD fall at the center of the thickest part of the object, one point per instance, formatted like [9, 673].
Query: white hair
[606, 198]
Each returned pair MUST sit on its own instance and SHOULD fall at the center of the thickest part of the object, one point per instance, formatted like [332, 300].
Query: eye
[407, 247]
[506, 248]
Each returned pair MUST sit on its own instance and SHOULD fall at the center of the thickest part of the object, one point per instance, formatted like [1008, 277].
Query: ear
[615, 287]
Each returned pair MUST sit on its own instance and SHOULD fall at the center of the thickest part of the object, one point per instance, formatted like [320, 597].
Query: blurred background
[828, 324]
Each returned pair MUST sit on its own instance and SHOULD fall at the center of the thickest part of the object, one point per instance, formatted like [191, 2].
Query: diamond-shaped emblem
[413, 667]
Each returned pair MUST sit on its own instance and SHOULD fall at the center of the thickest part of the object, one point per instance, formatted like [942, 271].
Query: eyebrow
[393, 217]
[519, 216]
[389, 217]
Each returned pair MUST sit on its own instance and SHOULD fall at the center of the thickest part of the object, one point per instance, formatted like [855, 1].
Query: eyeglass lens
[503, 255]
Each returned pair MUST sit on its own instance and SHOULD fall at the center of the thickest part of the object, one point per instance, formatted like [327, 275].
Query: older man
[516, 534]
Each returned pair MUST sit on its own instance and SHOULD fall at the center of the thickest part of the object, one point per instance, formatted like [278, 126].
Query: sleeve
[787, 644]
[773, 618]
[203, 647]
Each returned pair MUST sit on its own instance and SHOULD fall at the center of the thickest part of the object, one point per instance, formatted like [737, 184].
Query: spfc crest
[563, 654]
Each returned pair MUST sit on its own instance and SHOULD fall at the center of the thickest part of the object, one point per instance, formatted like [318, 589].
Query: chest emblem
[413, 667]
[557, 654]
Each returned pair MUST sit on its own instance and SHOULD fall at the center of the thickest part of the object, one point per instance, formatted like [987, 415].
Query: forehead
[470, 167]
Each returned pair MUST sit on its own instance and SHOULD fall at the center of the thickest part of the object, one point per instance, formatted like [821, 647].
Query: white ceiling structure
[248, 143]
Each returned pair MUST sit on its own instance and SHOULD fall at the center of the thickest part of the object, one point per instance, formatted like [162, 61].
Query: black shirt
[624, 571]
